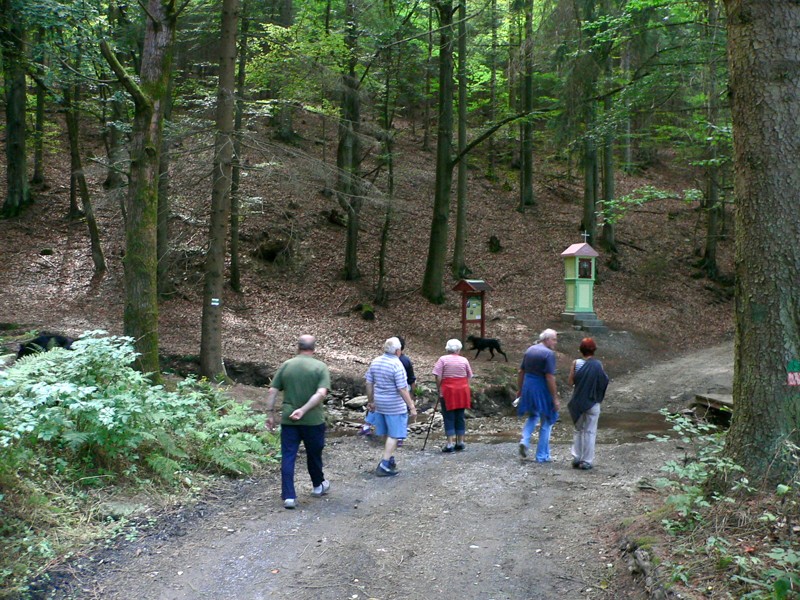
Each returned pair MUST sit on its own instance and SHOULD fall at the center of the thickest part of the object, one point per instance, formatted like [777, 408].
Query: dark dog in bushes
[44, 342]
[491, 344]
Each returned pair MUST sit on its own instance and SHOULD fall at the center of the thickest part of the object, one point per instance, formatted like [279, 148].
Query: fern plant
[90, 407]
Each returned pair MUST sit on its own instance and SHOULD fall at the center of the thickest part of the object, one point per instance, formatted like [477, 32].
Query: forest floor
[483, 523]
[479, 524]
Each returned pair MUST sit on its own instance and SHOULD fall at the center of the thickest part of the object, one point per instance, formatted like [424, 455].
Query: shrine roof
[580, 249]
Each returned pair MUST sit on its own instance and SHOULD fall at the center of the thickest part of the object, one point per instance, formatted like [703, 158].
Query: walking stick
[430, 425]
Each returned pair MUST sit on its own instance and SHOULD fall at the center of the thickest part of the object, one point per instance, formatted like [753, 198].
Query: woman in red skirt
[453, 373]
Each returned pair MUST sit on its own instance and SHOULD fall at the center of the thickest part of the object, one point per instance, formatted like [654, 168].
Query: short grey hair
[453, 346]
[548, 334]
[391, 345]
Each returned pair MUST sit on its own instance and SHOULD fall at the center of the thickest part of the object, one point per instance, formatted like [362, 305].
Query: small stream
[614, 428]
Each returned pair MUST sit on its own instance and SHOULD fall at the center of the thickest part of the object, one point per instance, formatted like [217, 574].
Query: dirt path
[480, 524]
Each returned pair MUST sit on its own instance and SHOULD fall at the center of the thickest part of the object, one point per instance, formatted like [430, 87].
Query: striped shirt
[387, 374]
[452, 365]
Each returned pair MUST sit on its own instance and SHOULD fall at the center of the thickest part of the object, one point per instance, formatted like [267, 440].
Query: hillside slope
[46, 271]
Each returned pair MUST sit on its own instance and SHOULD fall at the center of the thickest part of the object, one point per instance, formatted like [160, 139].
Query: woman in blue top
[536, 382]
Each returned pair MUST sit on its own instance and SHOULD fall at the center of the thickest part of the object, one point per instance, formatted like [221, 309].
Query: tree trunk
[41, 99]
[348, 155]
[381, 294]
[13, 51]
[283, 118]
[78, 176]
[348, 188]
[713, 205]
[117, 167]
[526, 197]
[140, 319]
[211, 364]
[235, 271]
[491, 170]
[515, 34]
[588, 71]
[513, 48]
[764, 62]
[165, 286]
[74, 211]
[285, 13]
[433, 284]
[459, 260]
[590, 188]
[609, 234]
[426, 125]
[627, 148]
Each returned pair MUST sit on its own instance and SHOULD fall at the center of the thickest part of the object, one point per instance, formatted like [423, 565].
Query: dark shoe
[584, 466]
[576, 464]
[385, 471]
[449, 448]
[392, 463]
[523, 450]
[460, 447]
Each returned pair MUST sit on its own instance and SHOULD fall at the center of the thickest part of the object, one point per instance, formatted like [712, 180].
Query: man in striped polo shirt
[389, 397]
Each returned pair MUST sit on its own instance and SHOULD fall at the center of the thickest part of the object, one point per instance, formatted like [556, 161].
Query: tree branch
[485, 135]
[77, 73]
[147, 12]
[139, 97]
[182, 7]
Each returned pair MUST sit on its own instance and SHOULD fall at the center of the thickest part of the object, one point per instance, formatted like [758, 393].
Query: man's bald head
[306, 343]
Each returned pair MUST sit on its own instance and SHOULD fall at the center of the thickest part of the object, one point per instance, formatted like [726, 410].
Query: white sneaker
[321, 489]
[289, 503]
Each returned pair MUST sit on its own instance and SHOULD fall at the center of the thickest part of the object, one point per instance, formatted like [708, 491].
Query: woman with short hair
[453, 372]
[590, 381]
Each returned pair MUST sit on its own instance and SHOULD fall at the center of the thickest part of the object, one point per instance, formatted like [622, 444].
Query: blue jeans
[454, 422]
[313, 438]
[543, 447]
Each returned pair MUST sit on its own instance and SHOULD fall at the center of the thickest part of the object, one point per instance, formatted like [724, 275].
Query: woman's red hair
[587, 346]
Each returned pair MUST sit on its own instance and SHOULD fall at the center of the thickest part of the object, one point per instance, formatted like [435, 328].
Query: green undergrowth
[81, 429]
[742, 542]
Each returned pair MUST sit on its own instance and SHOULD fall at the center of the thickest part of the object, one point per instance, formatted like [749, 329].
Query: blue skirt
[536, 398]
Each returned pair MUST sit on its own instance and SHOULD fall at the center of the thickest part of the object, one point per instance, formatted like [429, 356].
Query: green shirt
[299, 378]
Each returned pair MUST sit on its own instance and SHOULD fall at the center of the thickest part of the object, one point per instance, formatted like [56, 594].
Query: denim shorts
[394, 426]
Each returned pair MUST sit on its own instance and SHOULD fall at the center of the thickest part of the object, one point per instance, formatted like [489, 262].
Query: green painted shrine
[579, 276]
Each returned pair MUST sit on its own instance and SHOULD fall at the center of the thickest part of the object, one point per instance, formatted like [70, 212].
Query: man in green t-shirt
[304, 381]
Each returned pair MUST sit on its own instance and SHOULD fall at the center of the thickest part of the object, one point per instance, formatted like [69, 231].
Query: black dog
[480, 344]
[43, 343]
